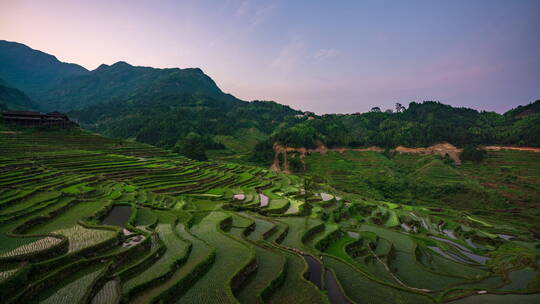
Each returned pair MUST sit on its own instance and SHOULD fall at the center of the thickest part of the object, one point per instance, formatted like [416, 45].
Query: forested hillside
[421, 124]
[163, 106]
[32, 71]
[13, 99]
[121, 81]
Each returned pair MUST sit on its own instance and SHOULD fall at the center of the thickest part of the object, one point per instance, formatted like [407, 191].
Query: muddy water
[465, 251]
[118, 216]
[354, 235]
[325, 196]
[314, 270]
[239, 197]
[132, 241]
[449, 233]
[334, 293]
[506, 236]
[405, 227]
[449, 255]
[264, 200]
[471, 243]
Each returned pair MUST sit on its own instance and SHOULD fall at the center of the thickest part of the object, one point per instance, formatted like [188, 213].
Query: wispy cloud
[242, 8]
[322, 54]
[253, 13]
[289, 55]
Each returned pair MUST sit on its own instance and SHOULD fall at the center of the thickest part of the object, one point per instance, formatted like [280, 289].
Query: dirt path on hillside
[440, 149]
[279, 149]
[499, 148]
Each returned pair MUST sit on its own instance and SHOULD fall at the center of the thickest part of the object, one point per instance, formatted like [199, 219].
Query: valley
[91, 219]
[155, 186]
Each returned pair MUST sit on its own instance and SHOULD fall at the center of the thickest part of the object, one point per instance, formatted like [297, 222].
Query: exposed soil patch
[283, 150]
[499, 148]
[442, 149]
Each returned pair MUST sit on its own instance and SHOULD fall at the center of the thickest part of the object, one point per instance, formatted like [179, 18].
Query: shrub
[473, 154]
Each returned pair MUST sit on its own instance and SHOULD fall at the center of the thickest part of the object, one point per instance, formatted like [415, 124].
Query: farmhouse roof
[22, 113]
[55, 113]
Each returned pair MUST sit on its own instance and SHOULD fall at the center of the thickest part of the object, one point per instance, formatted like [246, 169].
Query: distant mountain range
[163, 106]
[32, 71]
[14, 99]
[55, 85]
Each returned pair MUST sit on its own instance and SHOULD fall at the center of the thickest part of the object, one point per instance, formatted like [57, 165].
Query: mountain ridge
[32, 71]
[162, 106]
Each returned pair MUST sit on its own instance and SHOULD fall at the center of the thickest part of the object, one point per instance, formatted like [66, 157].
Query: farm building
[37, 119]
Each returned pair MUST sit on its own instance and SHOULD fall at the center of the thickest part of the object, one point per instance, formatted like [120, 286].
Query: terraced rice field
[205, 232]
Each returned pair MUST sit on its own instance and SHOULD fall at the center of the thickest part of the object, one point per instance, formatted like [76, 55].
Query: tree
[399, 107]
[263, 153]
[308, 188]
[191, 146]
[375, 109]
[472, 153]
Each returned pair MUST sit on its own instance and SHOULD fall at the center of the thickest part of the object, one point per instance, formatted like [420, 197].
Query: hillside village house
[37, 119]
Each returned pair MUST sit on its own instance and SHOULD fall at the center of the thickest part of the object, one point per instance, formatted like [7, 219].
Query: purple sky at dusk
[322, 56]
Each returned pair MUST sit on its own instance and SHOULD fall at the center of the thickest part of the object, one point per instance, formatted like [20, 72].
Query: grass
[176, 249]
[69, 218]
[75, 287]
[109, 293]
[199, 252]
[80, 237]
[231, 256]
[32, 247]
[295, 288]
[363, 290]
[270, 262]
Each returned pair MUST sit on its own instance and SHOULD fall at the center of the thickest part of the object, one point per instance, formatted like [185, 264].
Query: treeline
[190, 124]
[166, 120]
[420, 125]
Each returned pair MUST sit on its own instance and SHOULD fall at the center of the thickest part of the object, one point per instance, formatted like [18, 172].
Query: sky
[322, 56]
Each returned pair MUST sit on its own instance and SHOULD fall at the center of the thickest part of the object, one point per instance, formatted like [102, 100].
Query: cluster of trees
[173, 120]
[194, 146]
[422, 124]
[472, 153]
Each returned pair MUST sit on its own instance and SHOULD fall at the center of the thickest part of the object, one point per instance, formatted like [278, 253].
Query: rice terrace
[92, 219]
[123, 183]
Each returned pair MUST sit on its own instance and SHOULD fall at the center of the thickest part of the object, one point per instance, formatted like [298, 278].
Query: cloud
[322, 54]
[289, 55]
[253, 13]
[243, 8]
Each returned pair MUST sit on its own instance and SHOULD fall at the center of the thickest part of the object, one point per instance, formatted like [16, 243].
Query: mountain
[122, 81]
[420, 125]
[14, 99]
[524, 111]
[34, 72]
[151, 105]
[164, 107]
[160, 117]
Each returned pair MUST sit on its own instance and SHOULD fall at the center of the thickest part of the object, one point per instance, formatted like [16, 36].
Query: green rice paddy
[188, 239]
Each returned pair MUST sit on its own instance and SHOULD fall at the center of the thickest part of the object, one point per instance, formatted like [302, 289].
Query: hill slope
[13, 99]
[32, 71]
[524, 111]
[121, 81]
[163, 106]
[85, 218]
